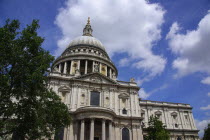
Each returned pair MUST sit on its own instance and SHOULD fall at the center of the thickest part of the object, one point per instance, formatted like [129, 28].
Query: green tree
[28, 108]
[207, 133]
[156, 130]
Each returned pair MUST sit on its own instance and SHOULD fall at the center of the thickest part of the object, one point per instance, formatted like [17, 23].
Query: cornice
[91, 82]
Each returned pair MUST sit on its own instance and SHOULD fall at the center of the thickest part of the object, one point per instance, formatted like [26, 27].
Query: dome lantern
[87, 31]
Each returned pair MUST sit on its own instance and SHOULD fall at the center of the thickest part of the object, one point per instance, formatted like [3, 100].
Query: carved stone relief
[96, 79]
[96, 67]
[83, 97]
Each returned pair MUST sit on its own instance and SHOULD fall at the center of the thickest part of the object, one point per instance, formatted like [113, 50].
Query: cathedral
[103, 107]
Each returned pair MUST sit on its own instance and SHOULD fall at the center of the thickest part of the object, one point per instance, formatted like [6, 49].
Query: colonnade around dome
[77, 61]
[79, 67]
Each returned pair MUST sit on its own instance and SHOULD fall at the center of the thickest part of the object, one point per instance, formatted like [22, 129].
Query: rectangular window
[95, 98]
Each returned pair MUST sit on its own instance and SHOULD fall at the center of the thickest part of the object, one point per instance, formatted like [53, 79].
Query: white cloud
[192, 48]
[206, 108]
[201, 125]
[122, 26]
[143, 94]
[164, 86]
[206, 80]
[124, 62]
[208, 94]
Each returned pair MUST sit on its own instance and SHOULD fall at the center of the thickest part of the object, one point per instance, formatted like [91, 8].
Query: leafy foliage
[207, 133]
[28, 109]
[156, 130]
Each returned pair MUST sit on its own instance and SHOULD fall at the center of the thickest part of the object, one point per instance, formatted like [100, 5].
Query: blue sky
[146, 40]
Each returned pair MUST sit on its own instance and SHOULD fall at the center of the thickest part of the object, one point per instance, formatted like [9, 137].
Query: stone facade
[103, 108]
[177, 118]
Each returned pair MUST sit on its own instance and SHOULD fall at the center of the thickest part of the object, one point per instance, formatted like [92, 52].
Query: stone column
[106, 70]
[82, 130]
[93, 66]
[110, 130]
[110, 73]
[64, 70]
[99, 67]
[92, 129]
[70, 136]
[71, 67]
[60, 67]
[78, 66]
[86, 65]
[65, 133]
[103, 130]
[76, 130]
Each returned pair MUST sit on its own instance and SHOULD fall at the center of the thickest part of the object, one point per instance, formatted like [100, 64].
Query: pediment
[158, 112]
[173, 114]
[124, 95]
[96, 78]
[64, 88]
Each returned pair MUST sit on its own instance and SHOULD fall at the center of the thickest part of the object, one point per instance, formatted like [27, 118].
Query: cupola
[87, 31]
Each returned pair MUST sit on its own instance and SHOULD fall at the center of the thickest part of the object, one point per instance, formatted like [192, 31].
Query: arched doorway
[125, 134]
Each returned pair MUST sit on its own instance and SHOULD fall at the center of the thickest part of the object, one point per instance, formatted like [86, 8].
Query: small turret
[87, 31]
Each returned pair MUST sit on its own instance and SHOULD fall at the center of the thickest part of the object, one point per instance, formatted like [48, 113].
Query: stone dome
[87, 40]
[85, 55]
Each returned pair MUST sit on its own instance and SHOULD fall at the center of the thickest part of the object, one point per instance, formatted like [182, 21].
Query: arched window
[124, 111]
[125, 134]
[158, 114]
[175, 119]
[95, 98]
